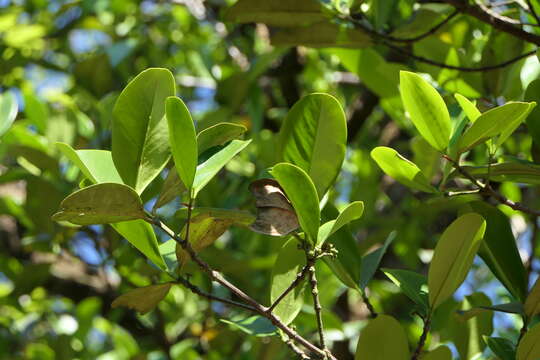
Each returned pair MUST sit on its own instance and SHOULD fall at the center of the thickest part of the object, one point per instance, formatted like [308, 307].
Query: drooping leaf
[141, 235]
[275, 214]
[143, 299]
[371, 261]
[499, 250]
[529, 346]
[412, 284]
[468, 107]
[492, 123]
[426, 109]
[352, 212]
[440, 353]
[501, 347]
[182, 139]
[302, 194]
[509, 308]
[208, 169]
[253, 325]
[104, 203]
[276, 13]
[8, 111]
[532, 304]
[218, 134]
[401, 169]
[289, 263]
[313, 137]
[96, 165]
[522, 172]
[453, 256]
[140, 136]
[382, 339]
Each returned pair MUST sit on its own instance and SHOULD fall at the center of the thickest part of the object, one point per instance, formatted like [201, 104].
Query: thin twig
[422, 340]
[317, 305]
[299, 277]
[301, 354]
[487, 189]
[218, 277]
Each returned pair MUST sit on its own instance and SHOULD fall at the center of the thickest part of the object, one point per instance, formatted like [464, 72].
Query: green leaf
[533, 120]
[412, 284]
[36, 111]
[313, 137]
[289, 263]
[8, 111]
[143, 299]
[401, 169]
[101, 204]
[218, 134]
[301, 192]
[492, 123]
[382, 339]
[528, 173]
[426, 109]
[141, 235]
[502, 348]
[171, 188]
[167, 251]
[322, 34]
[276, 13]
[512, 125]
[96, 165]
[468, 107]
[208, 169]
[182, 139]
[529, 346]
[371, 261]
[453, 256]
[440, 353]
[253, 325]
[353, 211]
[499, 250]
[140, 136]
[532, 304]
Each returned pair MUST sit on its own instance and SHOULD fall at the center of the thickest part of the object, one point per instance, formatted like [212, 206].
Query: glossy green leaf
[182, 139]
[492, 123]
[352, 212]
[313, 137]
[522, 172]
[96, 165]
[412, 284]
[468, 107]
[453, 256]
[301, 192]
[499, 250]
[208, 169]
[426, 109]
[529, 346]
[371, 261]
[532, 304]
[101, 204]
[218, 134]
[501, 347]
[382, 339]
[253, 325]
[533, 120]
[440, 353]
[140, 135]
[141, 235]
[289, 263]
[513, 124]
[401, 169]
[8, 111]
[143, 299]
[277, 12]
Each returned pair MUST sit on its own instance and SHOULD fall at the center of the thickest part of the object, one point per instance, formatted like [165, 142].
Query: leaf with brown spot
[143, 299]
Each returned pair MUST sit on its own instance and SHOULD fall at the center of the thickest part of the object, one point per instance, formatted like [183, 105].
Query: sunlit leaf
[468, 107]
[8, 111]
[352, 212]
[218, 134]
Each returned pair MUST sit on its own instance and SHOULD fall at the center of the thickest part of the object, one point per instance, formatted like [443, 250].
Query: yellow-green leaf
[143, 299]
[440, 353]
[382, 339]
[529, 346]
[532, 304]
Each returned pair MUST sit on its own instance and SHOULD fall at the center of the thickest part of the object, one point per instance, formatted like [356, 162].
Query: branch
[499, 24]
[317, 305]
[299, 277]
[422, 340]
[218, 277]
[487, 189]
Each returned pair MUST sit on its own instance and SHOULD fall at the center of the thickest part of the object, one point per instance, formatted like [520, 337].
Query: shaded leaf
[532, 304]
[503, 348]
[253, 325]
[401, 169]
[522, 172]
[371, 261]
[440, 353]
[101, 204]
[218, 134]
[529, 346]
[313, 137]
[143, 299]
[322, 34]
[301, 192]
[140, 136]
[171, 188]
[426, 109]
[453, 256]
[412, 284]
[382, 339]
[352, 212]
[533, 120]
[182, 139]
